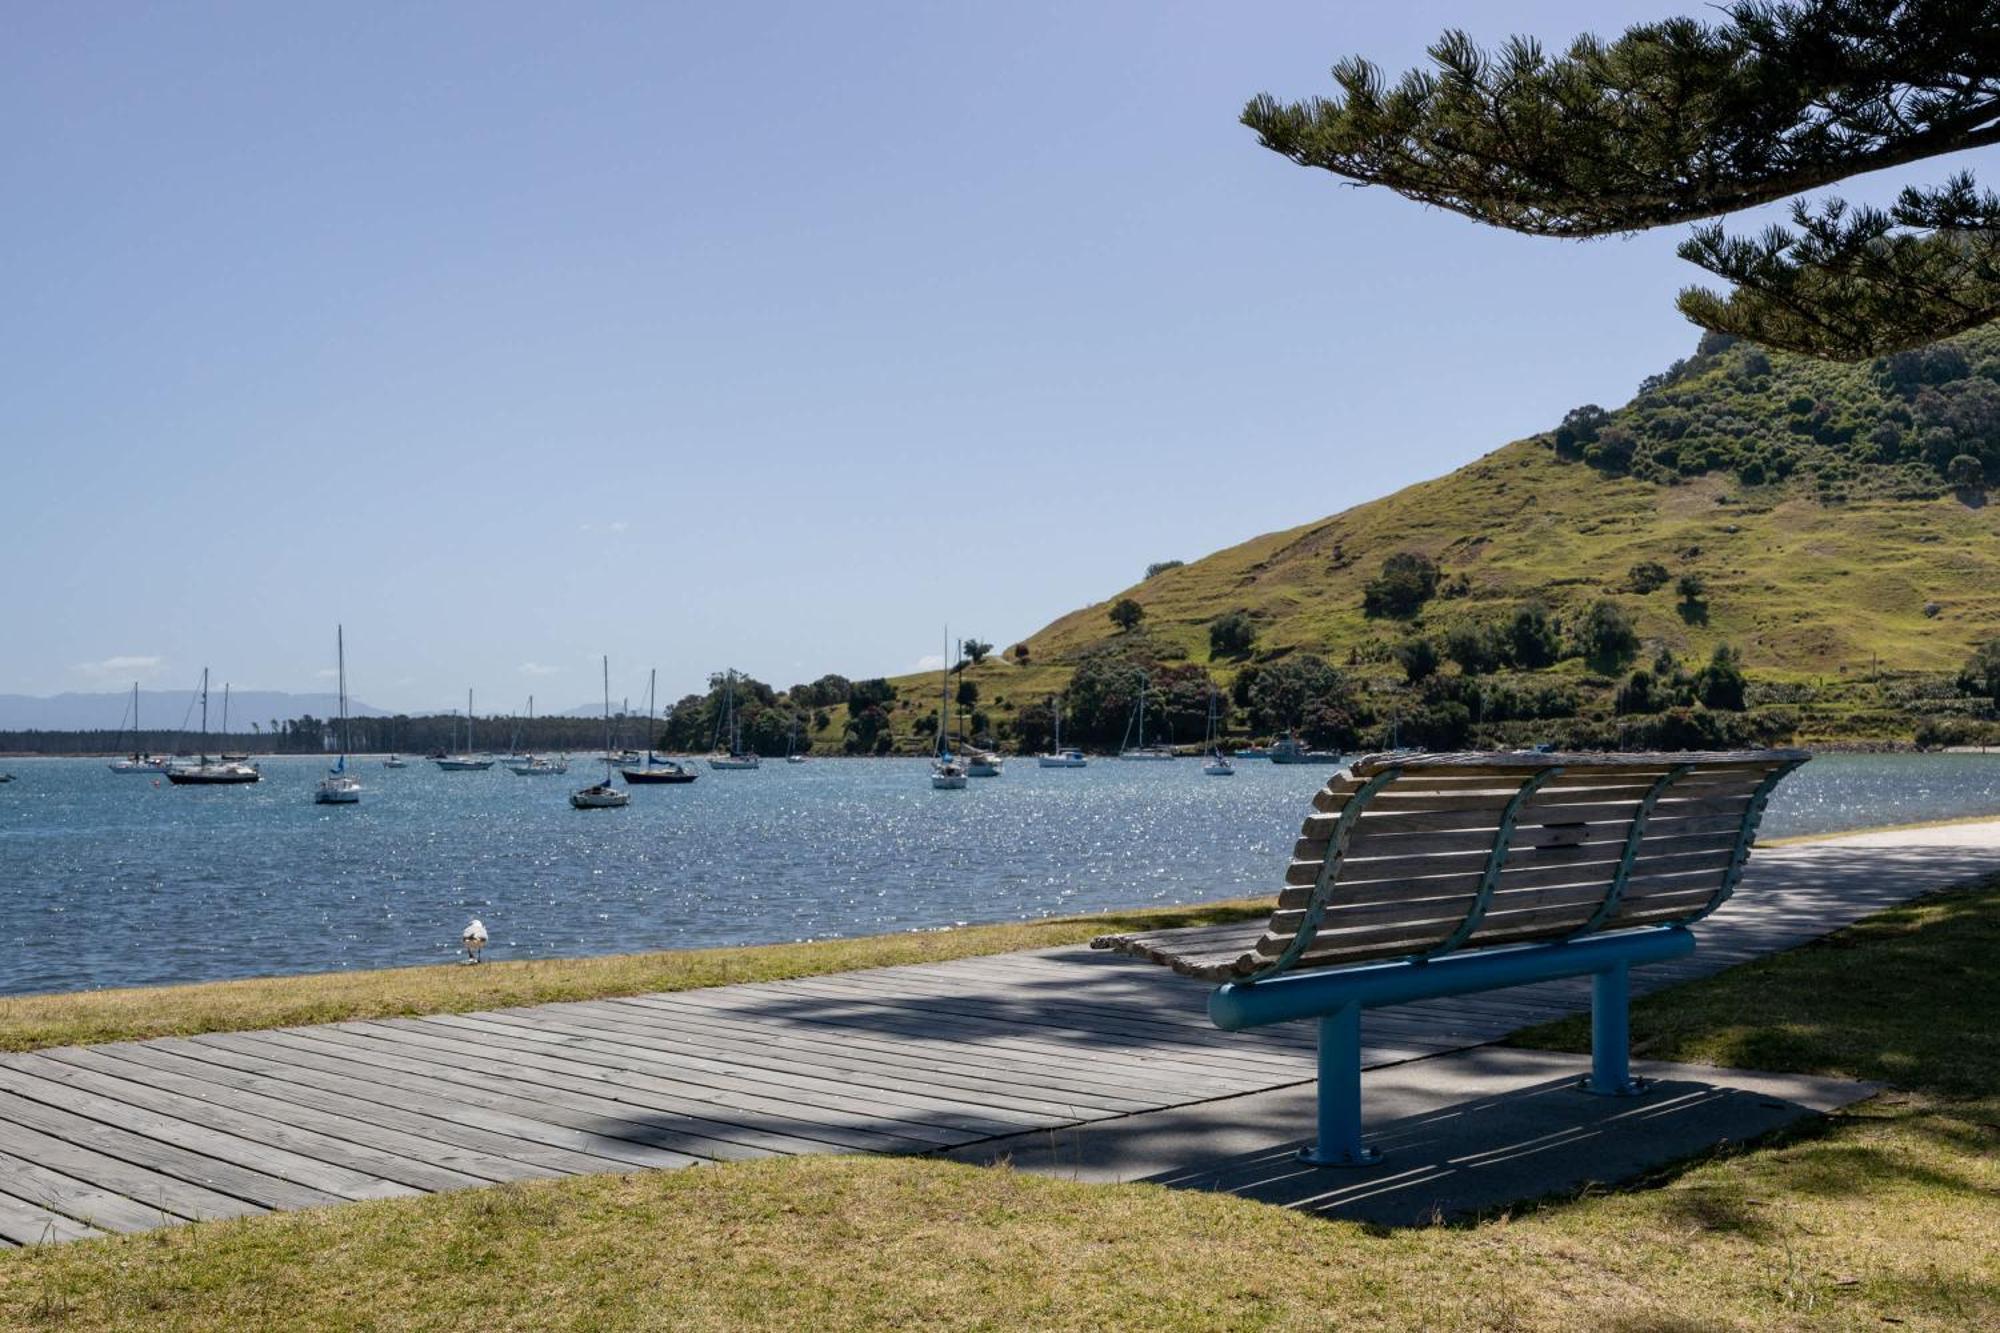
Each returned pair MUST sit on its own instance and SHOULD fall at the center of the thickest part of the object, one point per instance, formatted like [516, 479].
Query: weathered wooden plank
[730, 1116]
[170, 1196]
[830, 1055]
[707, 1075]
[228, 1088]
[498, 1112]
[974, 1040]
[166, 1159]
[23, 1223]
[131, 1086]
[342, 1095]
[93, 1205]
[62, 1087]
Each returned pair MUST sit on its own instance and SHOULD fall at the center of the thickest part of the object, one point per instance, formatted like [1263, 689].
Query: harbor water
[120, 880]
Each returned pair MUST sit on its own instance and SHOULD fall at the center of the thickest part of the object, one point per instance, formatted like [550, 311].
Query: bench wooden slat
[1419, 858]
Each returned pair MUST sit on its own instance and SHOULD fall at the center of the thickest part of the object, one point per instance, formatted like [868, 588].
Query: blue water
[109, 880]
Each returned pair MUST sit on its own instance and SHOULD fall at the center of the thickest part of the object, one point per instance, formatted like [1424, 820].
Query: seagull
[474, 940]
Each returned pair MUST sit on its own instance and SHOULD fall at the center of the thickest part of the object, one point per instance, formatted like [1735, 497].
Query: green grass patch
[1889, 1216]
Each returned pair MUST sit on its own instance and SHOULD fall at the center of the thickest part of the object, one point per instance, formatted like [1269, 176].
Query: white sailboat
[657, 769]
[206, 772]
[734, 757]
[792, 755]
[1216, 764]
[1143, 750]
[340, 787]
[137, 761]
[465, 763]
[1060, 756]
[947, 770]
[602, 795]
[534, 765]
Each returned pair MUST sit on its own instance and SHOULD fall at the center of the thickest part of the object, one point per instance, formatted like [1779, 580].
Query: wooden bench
[1420, 876]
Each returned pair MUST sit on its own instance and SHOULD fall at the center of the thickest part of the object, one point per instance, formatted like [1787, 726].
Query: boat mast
[1055, 706]
[225, 714]
[607, 719]
[652, 684]
[340, 651]
[204, 715]
[944, 695]
[468, 722]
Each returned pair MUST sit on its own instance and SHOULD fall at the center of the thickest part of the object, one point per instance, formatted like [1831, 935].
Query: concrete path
[126, 1136]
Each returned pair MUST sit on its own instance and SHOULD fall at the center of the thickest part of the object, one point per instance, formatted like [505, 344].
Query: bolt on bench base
[1336, 999]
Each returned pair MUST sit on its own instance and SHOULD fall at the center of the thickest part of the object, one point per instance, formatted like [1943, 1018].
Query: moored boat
[206, 772]
[602, 795]
[464, 763]
[657, 770]
[339, 787]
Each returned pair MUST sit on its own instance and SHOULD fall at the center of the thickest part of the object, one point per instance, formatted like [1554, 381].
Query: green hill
[1833, 518]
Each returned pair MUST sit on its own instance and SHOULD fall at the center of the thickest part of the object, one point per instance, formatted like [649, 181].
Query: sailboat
[206, 772]
[340, 787]
[534, 765]
[237, 757]
[602, 795]
[792, 752]
[1216, 764]
[136, 762]
[657, 768]
[1059, 756]
[734, 757]
[1143, 750]
[464, 763]
[947, 772]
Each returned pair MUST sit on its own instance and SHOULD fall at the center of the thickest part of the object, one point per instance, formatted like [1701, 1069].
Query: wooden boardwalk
[132, 1135]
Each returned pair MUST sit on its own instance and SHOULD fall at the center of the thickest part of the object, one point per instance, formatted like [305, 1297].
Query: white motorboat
[339, 787]
[947, 773]
[537, 766]
[206, 772]
[464, 763]
[1287, 749]
[983, 764]
[1141, 750]
[602, 795]
[394, 761]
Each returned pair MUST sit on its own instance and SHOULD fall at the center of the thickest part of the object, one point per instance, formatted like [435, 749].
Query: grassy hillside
[1811, 501]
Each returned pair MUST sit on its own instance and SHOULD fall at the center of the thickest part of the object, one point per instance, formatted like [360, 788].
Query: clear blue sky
[775, 336]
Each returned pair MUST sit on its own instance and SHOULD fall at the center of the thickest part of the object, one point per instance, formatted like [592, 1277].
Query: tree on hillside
[1533, 639]
[975, 650]
[1159, 567]
[1126, 614]
[1680, 121]
[1408, 580]
[1605, 638]
[1720, 684]
[1647, 575]
[1981, 673]
[1231, 635]
[1418, 657]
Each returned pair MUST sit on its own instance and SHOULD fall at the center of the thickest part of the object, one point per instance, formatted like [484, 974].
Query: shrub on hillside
[1533, 640]
[1419, 659]
[1646, 576]
[1126, 614]
[1606, 638]
[1408, 580]
[1980, 677]
[1720, 684]
[1232, 635]
[1477, 647]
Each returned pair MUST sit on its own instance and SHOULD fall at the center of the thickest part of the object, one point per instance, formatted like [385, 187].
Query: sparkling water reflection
[108, 880]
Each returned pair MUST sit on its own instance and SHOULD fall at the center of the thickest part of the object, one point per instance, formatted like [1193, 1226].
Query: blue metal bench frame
[1335, 996]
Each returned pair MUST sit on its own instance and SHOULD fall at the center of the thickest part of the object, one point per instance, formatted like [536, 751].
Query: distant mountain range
[165, 710]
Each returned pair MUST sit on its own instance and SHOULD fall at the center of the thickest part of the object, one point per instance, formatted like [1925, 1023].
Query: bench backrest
[1413, 856]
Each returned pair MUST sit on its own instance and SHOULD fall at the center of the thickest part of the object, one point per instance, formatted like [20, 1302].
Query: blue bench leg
[1611, 1034]
[1340, 1093]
